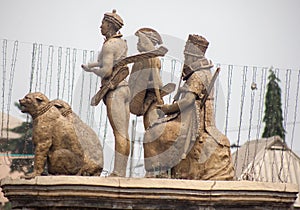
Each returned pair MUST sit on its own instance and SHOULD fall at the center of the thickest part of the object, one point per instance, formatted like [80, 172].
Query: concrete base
[77, 192]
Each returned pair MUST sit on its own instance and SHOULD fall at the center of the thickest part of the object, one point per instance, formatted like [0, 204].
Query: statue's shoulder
[114, 45]
[202, 76]
[197, 81]
[116, 39]
[147, 64]
[195, 78]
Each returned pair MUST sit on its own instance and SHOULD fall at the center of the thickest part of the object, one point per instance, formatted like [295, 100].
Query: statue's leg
[90, 167]
[160, 148]
[151, 115]
[117, 103]
[64, 162]
[181, 171]
[219, 165]
[192, 167]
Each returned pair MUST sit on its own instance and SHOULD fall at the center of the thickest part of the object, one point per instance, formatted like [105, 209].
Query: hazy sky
[259, 33]
[256, 32]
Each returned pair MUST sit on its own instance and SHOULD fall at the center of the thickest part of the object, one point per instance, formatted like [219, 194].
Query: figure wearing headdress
[189, 135]
[113, 50]
[145, 81]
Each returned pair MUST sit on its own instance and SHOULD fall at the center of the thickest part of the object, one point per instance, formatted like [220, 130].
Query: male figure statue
[113, 50]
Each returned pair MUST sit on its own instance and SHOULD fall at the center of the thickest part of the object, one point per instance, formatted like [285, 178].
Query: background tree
[273, 111]
[22, 146]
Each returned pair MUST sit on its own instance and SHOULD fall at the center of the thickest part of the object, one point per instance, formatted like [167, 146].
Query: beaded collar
[43, 110]
[66, 112]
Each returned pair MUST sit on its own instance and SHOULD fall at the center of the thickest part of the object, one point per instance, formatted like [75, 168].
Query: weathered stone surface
[114, 49]
[89, 141]
[77, 192]
[187, 140]
[54, 138]
[145, 81]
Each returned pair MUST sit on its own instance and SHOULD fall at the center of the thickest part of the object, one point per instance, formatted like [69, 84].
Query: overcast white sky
[259, 33]
[241, 32]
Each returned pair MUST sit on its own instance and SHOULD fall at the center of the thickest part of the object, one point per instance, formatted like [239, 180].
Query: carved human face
[141, 46]
[188, 59]
[105, 27]
[191, 53]
[144, 44]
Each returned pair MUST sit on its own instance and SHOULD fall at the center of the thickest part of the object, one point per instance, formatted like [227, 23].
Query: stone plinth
[75, 192]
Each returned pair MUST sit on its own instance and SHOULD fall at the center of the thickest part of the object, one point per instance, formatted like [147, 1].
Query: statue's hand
[29, 176]
[162, 107]
[159, 106]
[160, 101]
[86, 68]
[169, 108]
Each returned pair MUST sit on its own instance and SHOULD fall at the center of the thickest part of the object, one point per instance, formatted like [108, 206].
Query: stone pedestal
[75, 192]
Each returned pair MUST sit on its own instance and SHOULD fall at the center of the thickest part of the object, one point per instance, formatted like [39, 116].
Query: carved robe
[188, 142]
[210, 156]
[143, 81]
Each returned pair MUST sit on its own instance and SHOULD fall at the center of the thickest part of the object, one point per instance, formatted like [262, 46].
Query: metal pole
[132, 146]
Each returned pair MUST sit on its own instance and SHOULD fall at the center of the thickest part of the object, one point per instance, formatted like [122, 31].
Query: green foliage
[7, 206]
[20, 147]
[273, 111]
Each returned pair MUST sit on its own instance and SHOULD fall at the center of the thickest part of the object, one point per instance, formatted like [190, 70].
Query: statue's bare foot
[113, 174]
[29, 176]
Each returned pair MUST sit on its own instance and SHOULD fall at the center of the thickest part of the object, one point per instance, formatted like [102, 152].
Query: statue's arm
[40, 156]
[41, 152]
[104, 68]
[156, 82]
[180, 105]
[96, 64]
[93, 65]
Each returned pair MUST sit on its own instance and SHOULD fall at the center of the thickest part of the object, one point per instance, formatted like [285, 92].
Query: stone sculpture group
[180, 140]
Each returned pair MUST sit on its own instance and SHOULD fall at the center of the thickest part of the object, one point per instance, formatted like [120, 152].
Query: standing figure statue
[113, 50]
[144, 81]
[189, 141]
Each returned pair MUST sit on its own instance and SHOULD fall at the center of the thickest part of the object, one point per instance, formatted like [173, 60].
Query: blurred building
[267, 160]
[5, 157]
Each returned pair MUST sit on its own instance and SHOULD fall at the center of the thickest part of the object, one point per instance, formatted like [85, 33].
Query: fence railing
[239, 102]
